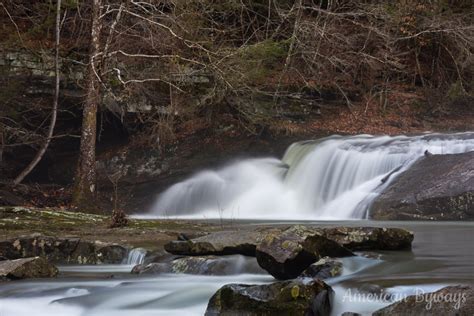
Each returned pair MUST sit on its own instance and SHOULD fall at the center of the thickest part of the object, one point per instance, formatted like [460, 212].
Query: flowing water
[336, 177]
[332, 178]
[442, 255]
[136, 256]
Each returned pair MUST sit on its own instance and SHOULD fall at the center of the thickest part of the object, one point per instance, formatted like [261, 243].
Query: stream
[442, 254]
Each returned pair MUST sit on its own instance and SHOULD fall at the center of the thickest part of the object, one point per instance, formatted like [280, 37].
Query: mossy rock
[280, 298]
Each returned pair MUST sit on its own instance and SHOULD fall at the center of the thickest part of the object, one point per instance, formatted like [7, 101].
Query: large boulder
[436, 187]
[62, 250]
[293, 298]
[449, 301]
[286, 254]
[245, 241]
[203, 265]
[36, 267]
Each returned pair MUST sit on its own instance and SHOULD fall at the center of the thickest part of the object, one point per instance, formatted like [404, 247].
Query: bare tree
[39, 155]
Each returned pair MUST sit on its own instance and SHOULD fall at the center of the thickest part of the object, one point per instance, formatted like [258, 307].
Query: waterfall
[332, 178]
[136, 256]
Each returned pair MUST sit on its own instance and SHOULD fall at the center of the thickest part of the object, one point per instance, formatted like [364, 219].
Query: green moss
[456, 90]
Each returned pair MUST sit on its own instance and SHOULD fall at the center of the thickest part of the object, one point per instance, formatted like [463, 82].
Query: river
[442, 254]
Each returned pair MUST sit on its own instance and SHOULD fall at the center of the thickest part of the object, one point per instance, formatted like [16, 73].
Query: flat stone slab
[245, 241]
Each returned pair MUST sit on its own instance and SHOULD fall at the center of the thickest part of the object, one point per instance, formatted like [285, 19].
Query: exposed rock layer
[436, 187]
[62, 250]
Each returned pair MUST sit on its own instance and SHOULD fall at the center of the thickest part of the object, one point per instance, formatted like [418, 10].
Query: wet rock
[219, 243]
[436, 187]
[370, 238]
[110, 253]
[26, 268]
[323, 269]
[158, 256]
[62, 250]
[286, 254]
[204, 265]
[449, 301]
[350, 314]
[281, 298]
[245, 241]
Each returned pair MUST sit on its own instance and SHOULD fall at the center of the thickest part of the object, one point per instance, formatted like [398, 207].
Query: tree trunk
[85, 182]
[39, 155]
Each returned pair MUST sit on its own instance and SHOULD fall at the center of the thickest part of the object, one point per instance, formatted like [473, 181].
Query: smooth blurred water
[332, 178]
[442, 254]
[136, 256]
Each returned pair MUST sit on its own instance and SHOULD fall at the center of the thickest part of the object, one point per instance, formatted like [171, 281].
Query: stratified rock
[205, 265]
[62, 250]
[286, 254]
[449, 301]
[36, 267]
[370, 238]
[281, 298]
[245, 241]
[219, 243]
[323, 269]
[436, 187]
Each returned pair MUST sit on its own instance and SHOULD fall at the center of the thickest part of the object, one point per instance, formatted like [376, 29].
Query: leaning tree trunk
[85, 182]
[39, 155]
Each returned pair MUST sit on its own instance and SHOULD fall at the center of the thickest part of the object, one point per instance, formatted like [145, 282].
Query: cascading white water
[136, 256]
[333, 178]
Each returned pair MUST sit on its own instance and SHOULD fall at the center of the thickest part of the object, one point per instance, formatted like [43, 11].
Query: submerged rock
[36, 267]
[436, 187]
[281, 298]
[286, 254]
[204, 265]
[62, 250]
[323, 269]
[449, 301]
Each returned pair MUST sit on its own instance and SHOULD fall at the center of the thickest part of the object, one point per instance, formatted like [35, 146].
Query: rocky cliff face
[438, 187]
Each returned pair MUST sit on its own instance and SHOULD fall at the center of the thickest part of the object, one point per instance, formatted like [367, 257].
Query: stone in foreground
[293, 298]
[287, 254]
[26, 268]
[436, 187]
[449, 301]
